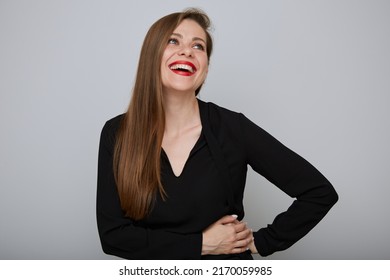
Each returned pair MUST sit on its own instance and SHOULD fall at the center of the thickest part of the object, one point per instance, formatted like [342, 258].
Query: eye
[199, 47]
[173, 41]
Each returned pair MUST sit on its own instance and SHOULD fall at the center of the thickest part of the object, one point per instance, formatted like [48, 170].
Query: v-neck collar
[197, 146]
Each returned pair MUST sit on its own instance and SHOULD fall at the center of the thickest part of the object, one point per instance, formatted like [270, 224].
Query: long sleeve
[120, 235]
[293, 175]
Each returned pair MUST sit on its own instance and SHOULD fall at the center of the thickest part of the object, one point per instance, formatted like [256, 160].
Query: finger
[240, 226]
[227, 219]
[236, 222]
[239, 250]
[247, 233]
[244, 243]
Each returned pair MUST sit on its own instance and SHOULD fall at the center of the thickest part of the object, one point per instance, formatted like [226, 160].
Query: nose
[186, 51]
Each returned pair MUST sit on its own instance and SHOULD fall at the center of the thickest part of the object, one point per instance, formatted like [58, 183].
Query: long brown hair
[137, 151]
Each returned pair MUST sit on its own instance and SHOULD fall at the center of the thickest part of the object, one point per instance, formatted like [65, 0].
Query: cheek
[205, 66]
[169, 51]
[205, 63]
[164, 64]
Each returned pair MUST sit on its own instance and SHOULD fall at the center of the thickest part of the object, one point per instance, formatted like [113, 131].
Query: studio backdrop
[314, 74]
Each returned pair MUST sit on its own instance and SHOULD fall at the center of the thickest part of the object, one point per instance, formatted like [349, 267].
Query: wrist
[206, 247]
[252, 247]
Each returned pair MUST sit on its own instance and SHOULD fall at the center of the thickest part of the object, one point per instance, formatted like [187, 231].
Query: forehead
[190, 28]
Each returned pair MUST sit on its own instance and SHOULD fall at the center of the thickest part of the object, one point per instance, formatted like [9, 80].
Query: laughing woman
[172, 169]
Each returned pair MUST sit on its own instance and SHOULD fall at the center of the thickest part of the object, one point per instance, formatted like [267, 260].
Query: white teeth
[182, 66]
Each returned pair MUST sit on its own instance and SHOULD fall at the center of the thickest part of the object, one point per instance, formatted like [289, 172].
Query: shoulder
[225, 124]
[110, 128]
[228, 124]
[218, 115]
[216, 109]
[112, 125]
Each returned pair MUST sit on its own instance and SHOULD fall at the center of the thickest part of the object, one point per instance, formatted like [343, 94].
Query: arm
[119, 235]
[296, 177]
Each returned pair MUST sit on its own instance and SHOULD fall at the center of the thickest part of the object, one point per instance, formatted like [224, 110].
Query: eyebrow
[193, 39]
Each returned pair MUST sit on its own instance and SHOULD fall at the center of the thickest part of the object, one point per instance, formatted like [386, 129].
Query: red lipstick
[182, 67]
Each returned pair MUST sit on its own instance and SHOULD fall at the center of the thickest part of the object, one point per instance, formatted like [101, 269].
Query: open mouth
[183, 68]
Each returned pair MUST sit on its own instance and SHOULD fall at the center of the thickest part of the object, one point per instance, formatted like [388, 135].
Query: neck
[181, 112]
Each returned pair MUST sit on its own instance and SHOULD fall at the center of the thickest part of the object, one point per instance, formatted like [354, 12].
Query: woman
[172, 169]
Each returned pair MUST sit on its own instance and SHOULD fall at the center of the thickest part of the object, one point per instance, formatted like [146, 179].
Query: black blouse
[193, 198]
[210, 186]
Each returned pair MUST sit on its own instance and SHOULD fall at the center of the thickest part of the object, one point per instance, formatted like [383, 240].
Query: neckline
[194, 149]
[197, 146]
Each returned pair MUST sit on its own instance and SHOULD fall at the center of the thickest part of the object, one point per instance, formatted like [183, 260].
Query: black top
[210, 186]
[199, 181]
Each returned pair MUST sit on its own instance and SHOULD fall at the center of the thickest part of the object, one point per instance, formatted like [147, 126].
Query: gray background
[315, 74]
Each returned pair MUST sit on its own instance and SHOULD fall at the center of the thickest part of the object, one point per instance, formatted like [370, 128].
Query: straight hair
[137, 152]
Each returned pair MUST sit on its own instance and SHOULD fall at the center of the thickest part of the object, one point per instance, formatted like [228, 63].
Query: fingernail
[235, 216]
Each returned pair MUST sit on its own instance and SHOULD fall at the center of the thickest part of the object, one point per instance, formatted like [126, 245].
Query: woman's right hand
[226, 236]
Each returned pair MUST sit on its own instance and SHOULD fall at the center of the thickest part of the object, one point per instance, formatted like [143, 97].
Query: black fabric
[211, 185]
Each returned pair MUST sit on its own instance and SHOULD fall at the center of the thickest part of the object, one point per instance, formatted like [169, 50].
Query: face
[184, 63]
